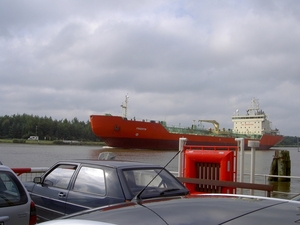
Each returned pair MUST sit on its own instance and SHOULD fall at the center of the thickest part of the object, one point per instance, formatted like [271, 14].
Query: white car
[16, 206]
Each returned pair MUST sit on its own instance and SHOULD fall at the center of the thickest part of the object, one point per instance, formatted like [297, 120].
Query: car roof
[5, 168]
[202, 209]
[112, 163]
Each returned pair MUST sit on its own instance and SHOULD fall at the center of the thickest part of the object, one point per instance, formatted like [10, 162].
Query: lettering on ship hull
[141, 128]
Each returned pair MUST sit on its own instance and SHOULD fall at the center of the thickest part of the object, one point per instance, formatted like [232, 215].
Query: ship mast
[124, 106]
[253, 109]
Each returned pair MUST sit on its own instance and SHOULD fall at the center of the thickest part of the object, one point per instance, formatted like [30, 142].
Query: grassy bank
[45, 142]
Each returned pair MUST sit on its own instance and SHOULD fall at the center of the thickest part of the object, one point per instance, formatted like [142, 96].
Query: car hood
[227, 210]
[204, 209]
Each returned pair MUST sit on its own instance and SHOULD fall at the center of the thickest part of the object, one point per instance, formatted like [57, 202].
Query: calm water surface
[25, 155]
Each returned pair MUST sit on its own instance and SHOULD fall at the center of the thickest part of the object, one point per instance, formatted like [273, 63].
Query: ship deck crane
[215, 123]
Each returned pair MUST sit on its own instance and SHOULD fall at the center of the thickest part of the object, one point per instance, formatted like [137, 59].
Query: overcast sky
[178, 61]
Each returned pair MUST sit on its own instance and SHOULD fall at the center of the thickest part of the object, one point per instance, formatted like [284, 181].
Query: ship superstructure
[255, 122]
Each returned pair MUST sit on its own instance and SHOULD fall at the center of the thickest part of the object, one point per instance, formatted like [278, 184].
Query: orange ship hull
[117, 131]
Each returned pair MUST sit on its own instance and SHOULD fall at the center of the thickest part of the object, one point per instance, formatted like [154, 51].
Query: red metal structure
[210, 163]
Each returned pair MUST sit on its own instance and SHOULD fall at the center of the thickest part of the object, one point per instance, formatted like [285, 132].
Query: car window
[152, 178]
[90, 180]
[60, 176]
[11, 191]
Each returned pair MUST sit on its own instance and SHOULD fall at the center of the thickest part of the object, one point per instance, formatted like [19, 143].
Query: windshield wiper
[138, 198]
[169, 190]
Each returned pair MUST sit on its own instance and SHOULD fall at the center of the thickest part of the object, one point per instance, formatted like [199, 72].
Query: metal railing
[263, 179]
[27, 174]
[289, 188]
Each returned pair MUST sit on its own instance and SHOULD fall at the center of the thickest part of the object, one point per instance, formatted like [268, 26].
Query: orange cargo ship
[118, 131]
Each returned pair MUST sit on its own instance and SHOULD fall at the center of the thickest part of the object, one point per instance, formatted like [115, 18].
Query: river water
[25, 155]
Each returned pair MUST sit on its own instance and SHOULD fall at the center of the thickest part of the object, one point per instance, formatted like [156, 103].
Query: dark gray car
[202, 209]
[75, 185]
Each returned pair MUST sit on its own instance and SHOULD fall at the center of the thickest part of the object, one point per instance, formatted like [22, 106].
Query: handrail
[20, 171]
[279, 176]
[219, 183]
[265, 176]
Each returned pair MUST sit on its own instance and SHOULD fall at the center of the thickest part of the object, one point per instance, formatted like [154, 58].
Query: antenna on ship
[124, 106]
[254, 106]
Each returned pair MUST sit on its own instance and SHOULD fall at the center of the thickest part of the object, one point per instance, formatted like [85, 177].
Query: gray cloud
[179, 61]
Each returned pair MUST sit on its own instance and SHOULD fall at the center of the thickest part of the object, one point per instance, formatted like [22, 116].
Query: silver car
[16, 206]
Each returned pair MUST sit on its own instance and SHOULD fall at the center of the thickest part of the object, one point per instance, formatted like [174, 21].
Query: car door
[50, 195]
[94, 187]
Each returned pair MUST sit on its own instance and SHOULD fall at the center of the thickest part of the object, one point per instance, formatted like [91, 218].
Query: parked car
[75, 185]
[16, 206]
[201, 209]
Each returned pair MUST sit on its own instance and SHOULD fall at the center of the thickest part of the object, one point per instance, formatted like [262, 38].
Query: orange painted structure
[117, 131]
[210, 163]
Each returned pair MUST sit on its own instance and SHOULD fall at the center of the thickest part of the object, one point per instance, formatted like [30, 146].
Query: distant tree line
[289, 141]
[24, 126]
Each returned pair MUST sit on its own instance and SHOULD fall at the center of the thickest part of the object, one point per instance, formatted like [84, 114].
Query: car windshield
[158, 182]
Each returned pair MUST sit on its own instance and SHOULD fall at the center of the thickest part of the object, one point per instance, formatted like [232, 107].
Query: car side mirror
[37, 180]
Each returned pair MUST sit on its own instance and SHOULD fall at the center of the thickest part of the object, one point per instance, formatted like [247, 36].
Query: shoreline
[82, 143]
[46, 142]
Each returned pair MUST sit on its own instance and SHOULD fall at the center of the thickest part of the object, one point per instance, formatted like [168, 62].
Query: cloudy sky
[178, 61]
